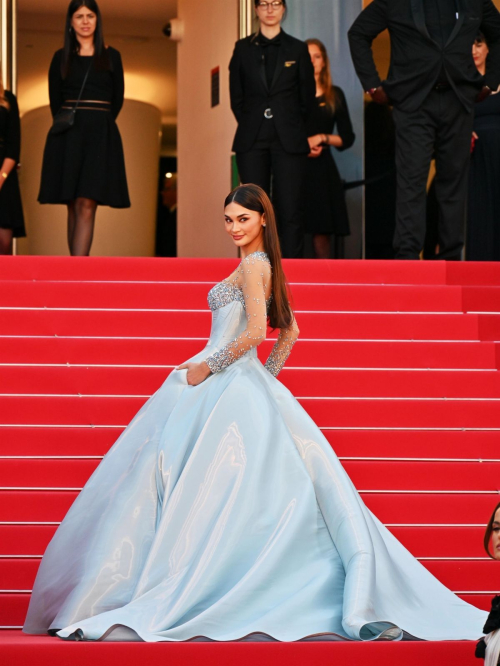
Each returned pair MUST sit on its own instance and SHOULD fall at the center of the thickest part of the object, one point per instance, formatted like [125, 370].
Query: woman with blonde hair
[326, 210]
[11, 209]
[488, 647]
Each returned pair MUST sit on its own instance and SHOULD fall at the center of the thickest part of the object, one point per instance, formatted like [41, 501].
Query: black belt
[88, 105]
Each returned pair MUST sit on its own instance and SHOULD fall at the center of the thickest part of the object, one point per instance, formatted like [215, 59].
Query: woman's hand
[196, 372]
[473, 141]
[315, 140]
[316, 152]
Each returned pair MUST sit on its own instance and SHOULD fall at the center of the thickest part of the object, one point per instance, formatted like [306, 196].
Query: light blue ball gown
[222, 513]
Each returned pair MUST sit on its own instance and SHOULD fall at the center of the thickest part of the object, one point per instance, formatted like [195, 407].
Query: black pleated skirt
[11, 208]
[85, 161]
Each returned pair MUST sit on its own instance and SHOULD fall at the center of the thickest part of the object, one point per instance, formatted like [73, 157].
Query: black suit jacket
[290, 96]
[416, 59]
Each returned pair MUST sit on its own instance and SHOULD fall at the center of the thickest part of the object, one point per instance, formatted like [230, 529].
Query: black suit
[433, 84]
[276, 146]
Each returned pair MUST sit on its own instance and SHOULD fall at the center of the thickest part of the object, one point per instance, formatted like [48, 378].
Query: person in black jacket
[488, 647]
[84, 166]
[433, 85]
[11, 209]
[272, 90]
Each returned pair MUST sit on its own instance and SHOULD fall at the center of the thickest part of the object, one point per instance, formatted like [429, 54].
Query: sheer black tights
[81, 218]
[5, 241]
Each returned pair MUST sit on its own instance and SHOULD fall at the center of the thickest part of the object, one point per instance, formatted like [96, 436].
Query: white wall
[119, 232]
[204, 135]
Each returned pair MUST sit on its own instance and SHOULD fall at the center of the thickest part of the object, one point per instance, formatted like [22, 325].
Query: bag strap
[83, 86]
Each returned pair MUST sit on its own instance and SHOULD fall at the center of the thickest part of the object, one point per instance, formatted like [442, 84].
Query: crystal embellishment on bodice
[248, 286]
[224, 293]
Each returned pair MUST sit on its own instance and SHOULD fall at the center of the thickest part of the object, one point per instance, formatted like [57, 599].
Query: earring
[264, 224]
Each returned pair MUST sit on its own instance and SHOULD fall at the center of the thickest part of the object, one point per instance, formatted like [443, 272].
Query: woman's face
[270, 12]
[84, 22]
[243, 225]
[479, 52]
[316, 58]
[495, 536]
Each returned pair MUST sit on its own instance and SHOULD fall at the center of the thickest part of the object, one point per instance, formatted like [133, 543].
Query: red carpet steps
[397, 363]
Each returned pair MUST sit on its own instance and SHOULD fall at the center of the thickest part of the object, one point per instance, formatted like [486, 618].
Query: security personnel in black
[272, 89]
[433, 85]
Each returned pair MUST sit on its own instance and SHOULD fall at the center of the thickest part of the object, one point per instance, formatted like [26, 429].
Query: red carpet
[397, 362]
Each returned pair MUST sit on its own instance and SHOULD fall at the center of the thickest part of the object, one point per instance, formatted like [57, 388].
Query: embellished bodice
[237, 331]
[228, 291]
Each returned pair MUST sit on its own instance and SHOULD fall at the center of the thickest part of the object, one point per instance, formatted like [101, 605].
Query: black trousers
[443, 128]
[268, 162]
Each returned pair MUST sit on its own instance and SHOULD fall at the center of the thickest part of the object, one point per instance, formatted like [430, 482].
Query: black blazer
[290, 97]
[416, 59]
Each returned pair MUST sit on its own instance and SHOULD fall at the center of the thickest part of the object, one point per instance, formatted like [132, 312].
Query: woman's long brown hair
[489, 530]
[254, 198]
[325, 77]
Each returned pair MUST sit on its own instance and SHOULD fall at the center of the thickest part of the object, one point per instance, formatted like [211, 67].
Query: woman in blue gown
[222, 513]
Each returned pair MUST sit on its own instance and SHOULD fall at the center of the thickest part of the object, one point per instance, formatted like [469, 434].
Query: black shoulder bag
[65, 118]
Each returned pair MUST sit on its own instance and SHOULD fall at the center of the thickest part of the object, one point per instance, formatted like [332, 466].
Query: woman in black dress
[326, 210]
[84, 166]
[272, 91]
[483, 224]
[488, 647]
[11, 210]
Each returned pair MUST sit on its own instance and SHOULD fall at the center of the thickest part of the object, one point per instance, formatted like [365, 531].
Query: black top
[290, 95]
[10, 129]
[492, 624]
[269, 49]
[440, 19]
[416, 59]
[322, 119]
[101, 85]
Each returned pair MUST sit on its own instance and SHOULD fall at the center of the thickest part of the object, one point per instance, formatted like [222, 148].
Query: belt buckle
[268, 113]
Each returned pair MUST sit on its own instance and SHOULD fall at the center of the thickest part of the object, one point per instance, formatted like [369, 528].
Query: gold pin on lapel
[289, 63]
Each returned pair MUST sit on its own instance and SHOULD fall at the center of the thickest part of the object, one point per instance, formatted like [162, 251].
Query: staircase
[397, 363]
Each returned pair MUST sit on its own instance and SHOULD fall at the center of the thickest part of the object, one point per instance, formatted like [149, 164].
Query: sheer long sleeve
[282, 348]
[254, 275]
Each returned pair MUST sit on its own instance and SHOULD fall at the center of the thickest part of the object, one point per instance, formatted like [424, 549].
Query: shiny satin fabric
[222, 512]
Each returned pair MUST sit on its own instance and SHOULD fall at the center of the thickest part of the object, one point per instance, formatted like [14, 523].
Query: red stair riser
[378, 354]
[369, 413]
[139, 269]
[387, 298]
[352, 383]
[366, 475]
[385, 326]
[481, 299]
[19, 574]
[472, 273]
[452, 542]
[429, 508]
[469, 444]
[488, 327]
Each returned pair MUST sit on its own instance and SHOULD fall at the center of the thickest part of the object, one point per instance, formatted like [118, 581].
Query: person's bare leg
[321, 244]
[85, 210]
[71, 223]
[5, 241]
